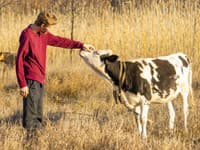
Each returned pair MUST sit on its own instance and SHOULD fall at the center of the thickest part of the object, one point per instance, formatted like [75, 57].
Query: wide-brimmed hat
[46, 18]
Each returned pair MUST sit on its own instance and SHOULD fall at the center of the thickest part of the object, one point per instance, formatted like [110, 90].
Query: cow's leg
[144, 116]
[171, 115]
[137, 115]
[185, 108]
[125, 101]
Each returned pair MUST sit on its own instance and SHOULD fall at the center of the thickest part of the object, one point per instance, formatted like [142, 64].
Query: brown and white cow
[138, 83]
[7, 58]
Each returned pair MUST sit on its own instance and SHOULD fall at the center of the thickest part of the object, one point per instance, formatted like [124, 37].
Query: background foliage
[79, 108]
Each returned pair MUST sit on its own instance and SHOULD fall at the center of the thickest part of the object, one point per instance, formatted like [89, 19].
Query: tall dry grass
[78, 105]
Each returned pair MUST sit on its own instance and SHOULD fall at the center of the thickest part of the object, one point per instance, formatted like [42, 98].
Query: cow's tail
[190, 85]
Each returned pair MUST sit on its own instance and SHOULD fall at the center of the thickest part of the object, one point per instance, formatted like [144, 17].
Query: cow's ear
[112, 58]
[104, 57]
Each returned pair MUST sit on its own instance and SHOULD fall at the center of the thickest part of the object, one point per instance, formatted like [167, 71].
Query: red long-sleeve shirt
[31, 56]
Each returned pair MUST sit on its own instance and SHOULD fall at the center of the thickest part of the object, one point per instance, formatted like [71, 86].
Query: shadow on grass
[54, 117]
[13, 119]
[16, 118]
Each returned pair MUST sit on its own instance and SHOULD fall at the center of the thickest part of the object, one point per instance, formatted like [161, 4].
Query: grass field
[78, 105]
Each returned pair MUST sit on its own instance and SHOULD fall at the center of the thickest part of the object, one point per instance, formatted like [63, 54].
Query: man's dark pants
[33, 106]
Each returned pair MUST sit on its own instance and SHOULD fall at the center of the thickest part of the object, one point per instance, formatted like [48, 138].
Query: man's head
[44, 20]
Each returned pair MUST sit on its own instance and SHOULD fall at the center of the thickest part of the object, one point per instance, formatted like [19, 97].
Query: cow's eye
[96, 53]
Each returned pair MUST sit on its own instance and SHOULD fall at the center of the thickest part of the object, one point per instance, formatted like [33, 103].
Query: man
[31, 65]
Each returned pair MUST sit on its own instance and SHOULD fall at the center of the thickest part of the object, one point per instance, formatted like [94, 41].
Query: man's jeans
[33, 106]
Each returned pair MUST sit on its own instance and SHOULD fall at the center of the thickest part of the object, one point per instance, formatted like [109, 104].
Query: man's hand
[24, 91]
[88, 47]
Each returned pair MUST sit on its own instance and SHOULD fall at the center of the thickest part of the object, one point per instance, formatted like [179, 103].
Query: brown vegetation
[79, 108]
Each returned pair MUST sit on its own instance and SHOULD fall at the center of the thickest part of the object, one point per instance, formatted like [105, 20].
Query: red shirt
[31, 56]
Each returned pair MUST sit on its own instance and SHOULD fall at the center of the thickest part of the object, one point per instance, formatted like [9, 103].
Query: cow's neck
[112, 69]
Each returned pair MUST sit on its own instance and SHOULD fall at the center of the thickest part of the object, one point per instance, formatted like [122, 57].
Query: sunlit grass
[78, 105]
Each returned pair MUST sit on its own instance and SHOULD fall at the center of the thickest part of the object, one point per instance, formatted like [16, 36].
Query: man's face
[43, 28]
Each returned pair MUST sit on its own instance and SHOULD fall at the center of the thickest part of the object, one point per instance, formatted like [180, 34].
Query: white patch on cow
[133, 99]
[147, 69]
[158, 100]
[155, 73]
[146, 72]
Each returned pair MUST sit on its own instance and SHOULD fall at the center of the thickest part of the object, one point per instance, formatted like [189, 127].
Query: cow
[8, 58]
[7, 61]
[140, 82]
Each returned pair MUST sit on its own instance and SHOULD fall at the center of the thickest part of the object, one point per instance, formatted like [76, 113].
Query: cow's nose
[82, 53]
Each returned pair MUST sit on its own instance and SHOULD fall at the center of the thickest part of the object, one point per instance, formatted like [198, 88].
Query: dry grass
[79, 108]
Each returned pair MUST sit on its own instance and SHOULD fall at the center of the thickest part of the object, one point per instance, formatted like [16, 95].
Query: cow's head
[97, 60]
[2, 56]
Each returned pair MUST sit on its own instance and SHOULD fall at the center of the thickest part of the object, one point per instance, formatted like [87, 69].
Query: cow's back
[164, 77]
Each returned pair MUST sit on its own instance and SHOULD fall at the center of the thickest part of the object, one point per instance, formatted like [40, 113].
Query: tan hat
[46, 18]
